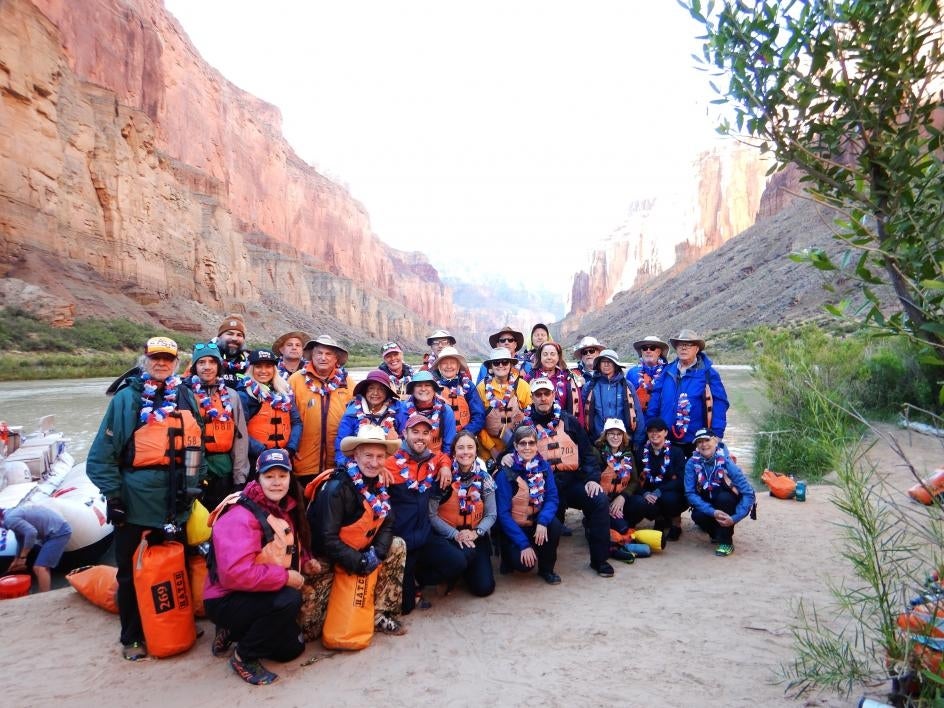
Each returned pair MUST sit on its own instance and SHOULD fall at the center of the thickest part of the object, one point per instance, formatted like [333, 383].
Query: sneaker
[386, 624]
[221, 642]
[550, 577]
[675, 533]
[724, 549]
[604, 569]
[621, 554]
[252, 671]
[134, 651]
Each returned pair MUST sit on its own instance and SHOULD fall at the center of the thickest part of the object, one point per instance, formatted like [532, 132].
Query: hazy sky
[484, 134]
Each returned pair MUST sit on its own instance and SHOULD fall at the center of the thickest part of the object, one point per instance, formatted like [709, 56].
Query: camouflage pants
[388, 595]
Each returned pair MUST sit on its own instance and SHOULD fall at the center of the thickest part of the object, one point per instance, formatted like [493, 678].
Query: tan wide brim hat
[369, 435]
[519, 338]
[688, 335]
[280, 342]
[652, 339]
[451, 353]
[327, 340]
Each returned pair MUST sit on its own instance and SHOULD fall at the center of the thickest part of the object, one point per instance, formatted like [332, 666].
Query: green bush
[896, 376]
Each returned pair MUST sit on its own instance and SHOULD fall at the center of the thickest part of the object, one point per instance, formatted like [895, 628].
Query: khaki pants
[388, 595]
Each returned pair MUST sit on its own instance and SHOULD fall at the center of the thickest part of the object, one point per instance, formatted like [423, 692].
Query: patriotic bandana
[386, 419]
[433, 417]
[262, 393]
[285, 373]
[150, 414]
[652, 372]
[491, 400]
[533, 476]
[468, 486]
[333, 384]
[683, 416]
[622, 465]
[210, 412]
[708, 480]
[379, 502]
[460, 385]
[543, 430]
[647, 474]
[403, 467]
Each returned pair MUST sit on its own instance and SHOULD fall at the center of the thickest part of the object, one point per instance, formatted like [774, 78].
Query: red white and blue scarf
[379, 502]
[403, 468]
[150, 413]
[468, 486]
[205, 400]
[262, 393]
[647, 474]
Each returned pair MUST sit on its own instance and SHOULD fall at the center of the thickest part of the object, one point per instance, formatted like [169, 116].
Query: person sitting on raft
[505, 395]
[375, 403]
[465, 512]
[526, 497]
[717, 490]
[272, 418]
[259, 542]
[661, 492]
[35, 525]
[351, 521]
[618, 478]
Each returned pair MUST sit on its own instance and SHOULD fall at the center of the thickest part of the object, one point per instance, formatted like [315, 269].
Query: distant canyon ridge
[136, 181]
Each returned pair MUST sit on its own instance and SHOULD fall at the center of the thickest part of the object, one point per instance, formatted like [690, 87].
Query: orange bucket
[12, 586]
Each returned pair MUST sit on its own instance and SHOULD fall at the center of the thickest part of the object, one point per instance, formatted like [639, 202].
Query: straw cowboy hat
[369, 435]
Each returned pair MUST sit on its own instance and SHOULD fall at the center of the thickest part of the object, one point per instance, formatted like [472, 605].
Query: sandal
[222, 641]
[386, 624]
[252, 671]
[134, 651]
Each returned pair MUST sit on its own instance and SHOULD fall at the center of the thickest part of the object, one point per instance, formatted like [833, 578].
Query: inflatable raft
[40, 471]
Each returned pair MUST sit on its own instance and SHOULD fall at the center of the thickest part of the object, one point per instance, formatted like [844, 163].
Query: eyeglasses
[507, 340]
[208, 345]
[649, 348]
[526, 443]
[684, 345]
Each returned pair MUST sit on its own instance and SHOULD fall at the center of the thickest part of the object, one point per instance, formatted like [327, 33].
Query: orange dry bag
[781, 486]
[163, 591]
[197, 567]
[98, 584]
[350, 620]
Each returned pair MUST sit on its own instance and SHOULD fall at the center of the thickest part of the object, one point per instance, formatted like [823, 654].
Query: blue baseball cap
[274, 457]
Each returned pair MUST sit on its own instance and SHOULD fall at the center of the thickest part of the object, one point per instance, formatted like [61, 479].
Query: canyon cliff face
[136, 180]
[714, 201]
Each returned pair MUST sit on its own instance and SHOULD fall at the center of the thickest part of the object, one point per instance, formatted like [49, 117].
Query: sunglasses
[506, 340]
[584, 352]
[208, 345]
[542, 393]
[526, 443]
[649, 348]
[501, 363]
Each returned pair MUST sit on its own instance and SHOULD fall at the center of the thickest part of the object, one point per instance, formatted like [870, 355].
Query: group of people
[416, 473]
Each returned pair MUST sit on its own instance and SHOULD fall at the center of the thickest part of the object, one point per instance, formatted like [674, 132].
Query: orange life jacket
[460, 408]
[610, 482]
[641, 392]
[218, 434]
[278, 539]
[270, 427]
[152, 440]
[500, 419]
[358, 535]
[521, 510]
[450, 513]
[559, 449]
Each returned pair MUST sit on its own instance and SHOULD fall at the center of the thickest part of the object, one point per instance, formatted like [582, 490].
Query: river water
[79, 405]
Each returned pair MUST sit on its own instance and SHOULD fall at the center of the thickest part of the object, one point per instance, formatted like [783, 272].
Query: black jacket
[674, 480]
[589, 460]
[337, 503]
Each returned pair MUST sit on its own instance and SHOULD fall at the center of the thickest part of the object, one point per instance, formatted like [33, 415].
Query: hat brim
[463, 364]
[361, 387]
[664, 345]
[410, 386]
[430, 340]
[280, 342]
[352, 442]
[675, 342]
[488, 362]
[161, 350]
[519, 338]
[342, 353]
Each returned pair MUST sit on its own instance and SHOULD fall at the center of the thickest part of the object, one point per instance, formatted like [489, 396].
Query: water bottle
[193, 459]
[800, 493]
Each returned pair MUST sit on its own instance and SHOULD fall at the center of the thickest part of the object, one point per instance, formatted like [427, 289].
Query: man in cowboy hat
[412, 474]
[689, 394]
[231, 338]
[399, 371]
[289, 347]
[512, 340]
[653, 356]
[352, 527]
[439, 339]
[321, 395]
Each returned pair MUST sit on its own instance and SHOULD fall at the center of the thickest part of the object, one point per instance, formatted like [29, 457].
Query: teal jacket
[145, 492]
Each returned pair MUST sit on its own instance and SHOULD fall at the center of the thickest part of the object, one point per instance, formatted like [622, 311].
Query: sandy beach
[680, 628]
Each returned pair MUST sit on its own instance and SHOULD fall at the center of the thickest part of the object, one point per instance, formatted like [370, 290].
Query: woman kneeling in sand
[253, 589]
[527, 509]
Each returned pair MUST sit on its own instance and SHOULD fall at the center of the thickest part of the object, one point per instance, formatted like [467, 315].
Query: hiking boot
[386, 624]
[675, 533]
[550, 577]
[252, 671]
[221, 642]
[724, 549]
[604, 569]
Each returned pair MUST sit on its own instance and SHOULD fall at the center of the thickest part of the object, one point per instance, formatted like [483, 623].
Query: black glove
[117, 513]
[369, 561]
[491, 466]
